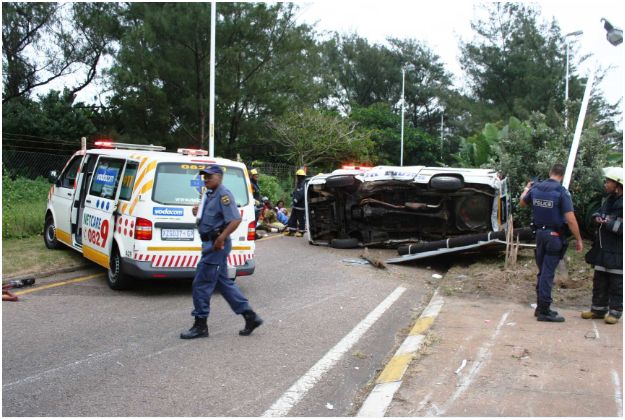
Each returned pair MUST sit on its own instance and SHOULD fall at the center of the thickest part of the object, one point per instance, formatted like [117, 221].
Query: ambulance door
[62, 199]
[100, 205]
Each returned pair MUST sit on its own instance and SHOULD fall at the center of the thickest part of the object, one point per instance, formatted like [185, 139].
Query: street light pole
[403, 102]
[566, 80]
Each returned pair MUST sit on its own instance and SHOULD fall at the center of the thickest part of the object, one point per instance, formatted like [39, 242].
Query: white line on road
[483, 355]
[34, 378]
[298, 390]
[618, 395]
[594, 325]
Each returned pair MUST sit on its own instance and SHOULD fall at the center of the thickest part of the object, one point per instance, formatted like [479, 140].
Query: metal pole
[566, 90]
[211, 110]
[401, 152]
[442, 113]
[578, 129]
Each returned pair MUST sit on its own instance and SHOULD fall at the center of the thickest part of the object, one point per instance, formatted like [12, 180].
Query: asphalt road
[81, 349]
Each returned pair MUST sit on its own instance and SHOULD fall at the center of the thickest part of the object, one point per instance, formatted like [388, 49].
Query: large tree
[42, 42]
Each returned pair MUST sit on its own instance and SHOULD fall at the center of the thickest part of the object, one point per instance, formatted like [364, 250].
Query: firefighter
[606, 254]
[297, 220]
[220, 217]
[552, 210]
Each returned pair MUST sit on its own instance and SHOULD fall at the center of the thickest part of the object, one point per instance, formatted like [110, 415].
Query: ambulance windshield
[181, 184]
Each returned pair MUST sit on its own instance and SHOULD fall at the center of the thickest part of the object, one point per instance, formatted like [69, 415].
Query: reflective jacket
[606, 253]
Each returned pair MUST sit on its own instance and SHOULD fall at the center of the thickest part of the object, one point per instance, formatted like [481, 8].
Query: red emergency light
[104, 144]
[357, 168]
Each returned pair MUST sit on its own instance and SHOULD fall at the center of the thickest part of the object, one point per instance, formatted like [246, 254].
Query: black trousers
[297, 221]
[607, 293]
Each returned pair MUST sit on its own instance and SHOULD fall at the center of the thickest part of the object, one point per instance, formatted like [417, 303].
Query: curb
[390, 379]
[47, 273]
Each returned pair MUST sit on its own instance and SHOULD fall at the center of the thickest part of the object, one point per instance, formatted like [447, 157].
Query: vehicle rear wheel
[115, 277]
[49, 234]
[338, 181]
[348, 243]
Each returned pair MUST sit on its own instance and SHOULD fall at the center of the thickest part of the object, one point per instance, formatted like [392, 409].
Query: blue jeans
[549, 251]
[211, 276]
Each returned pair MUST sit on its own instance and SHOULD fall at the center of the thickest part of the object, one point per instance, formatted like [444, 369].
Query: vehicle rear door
[100, 205]
[62, 198]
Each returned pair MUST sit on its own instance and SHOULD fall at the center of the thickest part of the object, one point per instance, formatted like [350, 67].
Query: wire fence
[32, 164]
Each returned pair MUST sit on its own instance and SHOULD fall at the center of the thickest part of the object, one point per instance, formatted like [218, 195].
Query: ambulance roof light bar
[107, 144]
[193, 152]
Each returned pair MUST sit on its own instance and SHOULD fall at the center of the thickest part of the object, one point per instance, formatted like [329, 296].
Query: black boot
[551, 312]
[199, 329]
[252, 321]
[547, 315]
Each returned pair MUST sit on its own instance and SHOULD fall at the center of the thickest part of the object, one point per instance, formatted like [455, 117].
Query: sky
[441, 24]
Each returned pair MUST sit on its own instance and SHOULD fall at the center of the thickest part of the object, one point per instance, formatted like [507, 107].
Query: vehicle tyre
[446, 182]
[49, 234]
[348, 243]
[338, 181]
[115, 276]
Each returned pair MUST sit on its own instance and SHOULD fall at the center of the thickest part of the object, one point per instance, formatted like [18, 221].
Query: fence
[32, 164]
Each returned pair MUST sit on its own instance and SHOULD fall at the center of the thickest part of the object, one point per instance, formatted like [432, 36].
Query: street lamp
[614, 37]
[403, 102]
[566, 80]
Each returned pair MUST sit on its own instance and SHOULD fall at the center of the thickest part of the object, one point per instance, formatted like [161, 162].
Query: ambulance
[128, 208]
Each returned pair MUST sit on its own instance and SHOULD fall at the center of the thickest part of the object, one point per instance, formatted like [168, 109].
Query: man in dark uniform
[258, 205]
[219, 218]
[297, 220]
[552, 209]
[606, 254]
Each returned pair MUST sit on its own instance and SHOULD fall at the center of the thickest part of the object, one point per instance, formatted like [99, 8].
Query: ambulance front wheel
[49, 233]
[116, 278]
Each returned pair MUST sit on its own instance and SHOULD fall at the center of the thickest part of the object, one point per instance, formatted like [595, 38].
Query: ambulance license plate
[177, 234]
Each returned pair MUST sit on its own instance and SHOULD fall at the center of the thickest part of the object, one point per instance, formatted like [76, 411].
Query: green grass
[23, 206]
[30, 255]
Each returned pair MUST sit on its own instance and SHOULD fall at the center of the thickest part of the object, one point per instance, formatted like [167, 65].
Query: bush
[275, 189]
[23, 206]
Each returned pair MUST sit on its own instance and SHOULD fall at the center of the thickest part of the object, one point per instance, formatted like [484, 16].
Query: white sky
[441, 23]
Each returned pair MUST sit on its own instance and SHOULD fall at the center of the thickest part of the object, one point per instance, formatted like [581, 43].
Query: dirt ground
[486, 277]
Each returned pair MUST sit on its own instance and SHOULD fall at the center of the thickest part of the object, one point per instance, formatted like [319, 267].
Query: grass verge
[30, 255]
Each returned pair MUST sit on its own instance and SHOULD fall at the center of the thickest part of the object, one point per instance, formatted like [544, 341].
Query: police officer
[297, 220]
[552, 209]
[219, 217]
[606, 254]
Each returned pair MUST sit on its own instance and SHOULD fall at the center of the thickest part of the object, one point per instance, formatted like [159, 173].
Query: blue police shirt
[220, 208]
[549, 201]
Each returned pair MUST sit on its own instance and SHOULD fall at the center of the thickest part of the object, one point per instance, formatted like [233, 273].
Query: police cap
[212, 169]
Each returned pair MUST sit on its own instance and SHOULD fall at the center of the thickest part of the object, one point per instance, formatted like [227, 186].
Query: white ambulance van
[129, 207]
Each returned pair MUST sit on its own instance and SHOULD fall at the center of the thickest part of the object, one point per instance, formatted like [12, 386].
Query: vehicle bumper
[144, 270]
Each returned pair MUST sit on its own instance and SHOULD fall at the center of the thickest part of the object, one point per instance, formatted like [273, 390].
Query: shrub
[23, 206]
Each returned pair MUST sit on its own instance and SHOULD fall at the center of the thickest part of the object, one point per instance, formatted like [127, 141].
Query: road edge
[388, 382]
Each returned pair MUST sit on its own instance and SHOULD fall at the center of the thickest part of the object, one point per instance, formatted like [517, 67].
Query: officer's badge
[225, 200]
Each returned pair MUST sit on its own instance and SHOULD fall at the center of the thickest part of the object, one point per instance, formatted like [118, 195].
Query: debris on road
[329, 406]
[372, 260]
[462, 365]
[591, 335]
[355, 261]
[437, 276]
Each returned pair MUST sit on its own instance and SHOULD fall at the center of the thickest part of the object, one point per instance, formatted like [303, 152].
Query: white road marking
[618, 395]
[38, 376]
[594, 325]
[482, 356]
[298, 390]
[381, 398]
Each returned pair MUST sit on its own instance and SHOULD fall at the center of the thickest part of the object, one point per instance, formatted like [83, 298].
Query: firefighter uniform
[297, 220]
[606, 254]
[549, 201]
[219, 210]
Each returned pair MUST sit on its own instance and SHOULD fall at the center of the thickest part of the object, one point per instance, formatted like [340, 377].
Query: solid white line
[483, 354]
[296, 392]
[618, 395]
[411, 344]
[381, 397]
[594, 325]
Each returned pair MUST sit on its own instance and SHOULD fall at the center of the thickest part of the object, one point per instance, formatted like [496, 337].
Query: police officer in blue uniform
[219, 217]
[552, 210]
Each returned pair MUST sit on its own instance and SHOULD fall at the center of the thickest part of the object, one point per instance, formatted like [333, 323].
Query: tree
[314, 138]
[67, 39]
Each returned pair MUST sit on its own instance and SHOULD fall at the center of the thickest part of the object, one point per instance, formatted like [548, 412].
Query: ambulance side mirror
[53, 177]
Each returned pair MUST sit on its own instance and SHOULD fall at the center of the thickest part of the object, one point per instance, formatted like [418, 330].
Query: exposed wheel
[115, 277]
[348, 243]
[338, 181]
[446, 182]
[49, 233]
